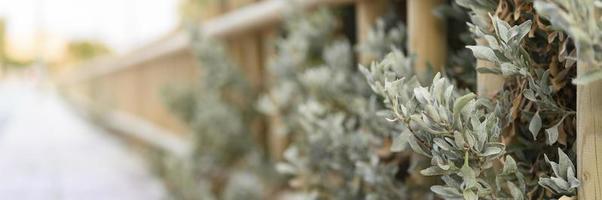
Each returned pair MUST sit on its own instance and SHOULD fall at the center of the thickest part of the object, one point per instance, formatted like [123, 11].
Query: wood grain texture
[426, 37]
[589, 130]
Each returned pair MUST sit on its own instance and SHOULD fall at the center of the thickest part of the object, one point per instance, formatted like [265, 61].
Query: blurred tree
[195, 10]
[82, 50]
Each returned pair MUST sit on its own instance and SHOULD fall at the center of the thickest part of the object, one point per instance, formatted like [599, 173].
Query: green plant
[467, 137]
[580, 21]
[226, 162]
[327, 107]
[460, 133]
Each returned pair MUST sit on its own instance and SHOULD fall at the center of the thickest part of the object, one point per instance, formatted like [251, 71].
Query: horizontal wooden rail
[250, 18]
[107, 65]
[133, 127]
[259, 15]
[97, 74]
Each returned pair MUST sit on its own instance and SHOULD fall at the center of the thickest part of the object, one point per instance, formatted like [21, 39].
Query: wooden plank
[277, 139]
[427, 41]
[488, 84]
[253, 17]
[426, 37]
[367, 12]
[258, 16]
[589, 132]
[135, 127]
[148, 132]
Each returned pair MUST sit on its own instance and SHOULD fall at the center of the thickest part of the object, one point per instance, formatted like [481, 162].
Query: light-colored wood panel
[589, 132]
[367, 13]
[426, 37]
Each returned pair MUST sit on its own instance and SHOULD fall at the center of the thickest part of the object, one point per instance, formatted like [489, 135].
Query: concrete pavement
[49, 153]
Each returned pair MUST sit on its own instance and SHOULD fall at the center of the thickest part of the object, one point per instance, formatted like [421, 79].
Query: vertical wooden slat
[253, 61]
[367, 12]
[426, 37]
[250, 59]
[245, 48]
[277, 138]
[589, 130]
[428, 43]
[488, 84]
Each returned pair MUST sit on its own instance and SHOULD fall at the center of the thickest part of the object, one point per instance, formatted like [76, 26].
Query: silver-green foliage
[223, 150]
[460, 133]
[217, 118]
[504, 49]
[511, 60]
[379, 40]
[580, 19]
[328, 107]
[563, 181]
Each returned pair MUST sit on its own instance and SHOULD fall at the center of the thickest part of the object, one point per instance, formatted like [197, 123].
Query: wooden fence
[127, 88]
[125, 91]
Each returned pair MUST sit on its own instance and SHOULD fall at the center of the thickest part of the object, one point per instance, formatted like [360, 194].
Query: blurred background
[49, 151]
[62, 33]
[210, 99]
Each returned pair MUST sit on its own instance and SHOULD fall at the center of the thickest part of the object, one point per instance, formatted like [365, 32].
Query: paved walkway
[48, 153]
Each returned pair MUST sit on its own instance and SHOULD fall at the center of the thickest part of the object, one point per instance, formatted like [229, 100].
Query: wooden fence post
[278, 138]
[488, 84]
[367, 12]
[428, 42]
[426, 37]
[589, 128]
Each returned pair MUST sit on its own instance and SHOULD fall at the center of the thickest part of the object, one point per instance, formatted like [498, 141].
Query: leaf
[483, 53]
[446, 192]
[502, 28]
[573, 181]
[552, 133]
[470, 195]
[520, 31]
[416, 147]
[422, 95]
[461, 102]
[442, 144]
[516, 193]
[561, 183]
[433, 171]
[458, 139]
[553, 165]
[468, 174]
[509, 166]
[449, 91]
[535, 125]
[489, 70]
[564, 162]
[509, 69]
[470, 140]
[590, 77]
[529, 94]
[400, 142]
[550, 184]
[492, 150]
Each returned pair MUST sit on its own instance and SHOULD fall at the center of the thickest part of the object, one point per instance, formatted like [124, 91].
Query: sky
[122, 24]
